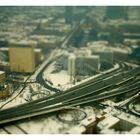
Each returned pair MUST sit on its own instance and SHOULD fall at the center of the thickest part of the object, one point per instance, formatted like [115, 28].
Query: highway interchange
[122, 80]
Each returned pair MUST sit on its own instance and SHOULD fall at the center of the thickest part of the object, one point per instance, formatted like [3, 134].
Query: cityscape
[69, 70]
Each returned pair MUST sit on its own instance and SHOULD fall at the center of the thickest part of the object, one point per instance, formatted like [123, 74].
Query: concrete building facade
[22, 58]
[71, 65]
[86, 65]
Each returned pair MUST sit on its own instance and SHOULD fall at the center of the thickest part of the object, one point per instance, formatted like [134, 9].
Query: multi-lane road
[121, 81]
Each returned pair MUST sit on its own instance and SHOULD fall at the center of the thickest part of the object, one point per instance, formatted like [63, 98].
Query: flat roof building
[38, 54]
[87, 65]
[22, 57]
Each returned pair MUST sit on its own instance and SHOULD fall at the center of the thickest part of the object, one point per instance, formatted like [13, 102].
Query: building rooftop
[1, 72]
[22, 43]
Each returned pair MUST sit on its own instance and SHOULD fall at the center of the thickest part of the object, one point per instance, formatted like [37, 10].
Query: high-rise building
[82, 65]
[106, 56]
[71, 66]
[38, 54]
[116, 12]
[68, 14]
[88, 64]
[92, 63]
[22, 57]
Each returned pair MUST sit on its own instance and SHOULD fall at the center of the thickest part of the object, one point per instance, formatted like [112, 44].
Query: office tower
[22, 57]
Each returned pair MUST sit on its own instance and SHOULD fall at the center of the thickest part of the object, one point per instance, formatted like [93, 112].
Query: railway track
[123, 80]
